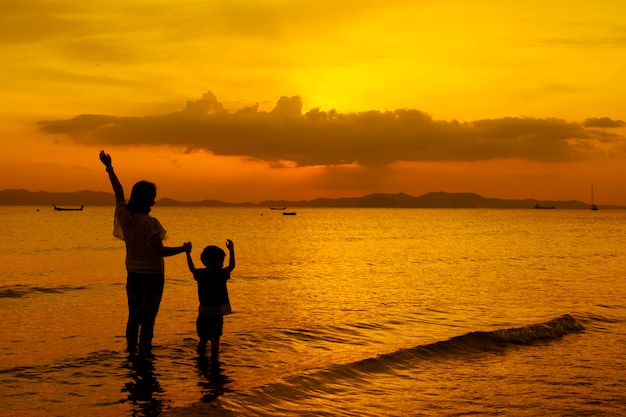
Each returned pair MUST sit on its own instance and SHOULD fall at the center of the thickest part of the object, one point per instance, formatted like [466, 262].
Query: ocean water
[337, 312]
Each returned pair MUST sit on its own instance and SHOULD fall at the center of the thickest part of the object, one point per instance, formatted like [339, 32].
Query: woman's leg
[133, 295]
[152, 292]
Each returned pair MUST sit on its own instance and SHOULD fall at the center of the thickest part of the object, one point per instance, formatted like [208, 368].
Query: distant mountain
[431, 200]
[203, 203]
[376, 200]
[44, 198]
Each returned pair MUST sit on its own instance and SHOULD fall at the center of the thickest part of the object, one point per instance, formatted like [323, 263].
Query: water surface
[342, 312]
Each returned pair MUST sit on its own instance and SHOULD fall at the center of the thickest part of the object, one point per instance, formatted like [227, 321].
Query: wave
[474, 342]
[478, 342]
[20, 291]
[497, 340]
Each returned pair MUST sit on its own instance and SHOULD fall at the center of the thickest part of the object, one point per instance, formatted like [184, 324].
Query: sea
[336, 312]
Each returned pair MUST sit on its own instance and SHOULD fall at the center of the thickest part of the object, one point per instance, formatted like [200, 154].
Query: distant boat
[277, 208]
[538, 206]
[593, 205]
[68, 208]
[289, 213]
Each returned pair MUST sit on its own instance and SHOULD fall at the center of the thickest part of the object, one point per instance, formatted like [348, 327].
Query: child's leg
[215, 338]
[202, 328]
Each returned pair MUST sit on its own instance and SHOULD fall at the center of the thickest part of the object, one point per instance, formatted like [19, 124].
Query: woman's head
[142, 197]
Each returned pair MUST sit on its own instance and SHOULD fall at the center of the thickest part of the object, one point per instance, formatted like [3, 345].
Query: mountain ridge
[439, 199]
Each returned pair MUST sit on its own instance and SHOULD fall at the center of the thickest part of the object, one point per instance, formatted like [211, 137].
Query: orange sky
[247, 101]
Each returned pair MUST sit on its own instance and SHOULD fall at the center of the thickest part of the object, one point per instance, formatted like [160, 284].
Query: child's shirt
[212, 291]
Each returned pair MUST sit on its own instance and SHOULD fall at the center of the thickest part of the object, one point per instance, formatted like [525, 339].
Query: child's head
[213, 257]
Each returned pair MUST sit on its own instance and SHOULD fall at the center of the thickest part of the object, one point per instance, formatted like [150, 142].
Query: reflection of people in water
[144, 390]
[213, 382]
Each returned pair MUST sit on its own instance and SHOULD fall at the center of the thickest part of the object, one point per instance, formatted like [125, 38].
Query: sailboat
[593, 205]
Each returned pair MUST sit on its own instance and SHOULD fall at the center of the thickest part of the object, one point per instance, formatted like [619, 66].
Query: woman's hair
[212, 253]
[142, 197]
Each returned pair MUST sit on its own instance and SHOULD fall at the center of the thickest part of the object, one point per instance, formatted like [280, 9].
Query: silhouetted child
[213, 294]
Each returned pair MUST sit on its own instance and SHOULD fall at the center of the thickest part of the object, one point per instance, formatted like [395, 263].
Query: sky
[246, 101]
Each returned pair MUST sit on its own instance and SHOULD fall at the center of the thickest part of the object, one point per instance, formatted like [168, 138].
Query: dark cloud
[371, 138]
[603, 122]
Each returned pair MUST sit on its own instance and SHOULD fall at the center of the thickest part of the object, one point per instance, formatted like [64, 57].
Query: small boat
[67, 208]
[593, 205]
[289, 213]
[540, 207]
[277, 208]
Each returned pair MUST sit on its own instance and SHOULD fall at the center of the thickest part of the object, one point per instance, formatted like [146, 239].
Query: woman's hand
[106, 159]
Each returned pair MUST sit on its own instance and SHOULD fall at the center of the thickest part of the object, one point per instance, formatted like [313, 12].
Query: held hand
[229, 244]
[106, 159]
[187, 247]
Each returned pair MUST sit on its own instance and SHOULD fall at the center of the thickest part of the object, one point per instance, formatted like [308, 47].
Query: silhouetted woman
[143, 236]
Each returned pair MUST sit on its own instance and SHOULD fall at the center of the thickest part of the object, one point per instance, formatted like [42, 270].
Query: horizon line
[300, 202]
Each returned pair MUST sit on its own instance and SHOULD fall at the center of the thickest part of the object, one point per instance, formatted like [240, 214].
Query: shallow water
[340, 312]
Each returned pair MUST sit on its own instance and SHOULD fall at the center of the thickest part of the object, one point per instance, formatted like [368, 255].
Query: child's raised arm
[231, 248]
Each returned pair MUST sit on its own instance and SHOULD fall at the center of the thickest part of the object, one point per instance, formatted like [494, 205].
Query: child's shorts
[209, 326]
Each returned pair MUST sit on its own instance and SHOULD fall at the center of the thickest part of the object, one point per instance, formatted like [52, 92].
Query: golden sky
[287, 99]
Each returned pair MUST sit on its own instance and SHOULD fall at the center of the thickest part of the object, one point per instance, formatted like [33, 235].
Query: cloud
[371, 138]
[603, 122]
[34, 20]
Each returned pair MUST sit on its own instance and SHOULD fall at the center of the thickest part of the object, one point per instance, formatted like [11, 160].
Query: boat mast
[593, 204]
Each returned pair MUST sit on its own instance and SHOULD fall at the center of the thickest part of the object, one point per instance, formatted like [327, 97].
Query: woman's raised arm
[115, 182]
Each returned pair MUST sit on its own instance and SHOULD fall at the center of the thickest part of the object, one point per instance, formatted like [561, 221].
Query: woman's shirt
[136, 230]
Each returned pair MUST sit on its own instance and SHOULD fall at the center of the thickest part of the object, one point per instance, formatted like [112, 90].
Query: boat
[278, 208]
[539, 206]
[289, 213]
[67, 208]
[593, 205]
